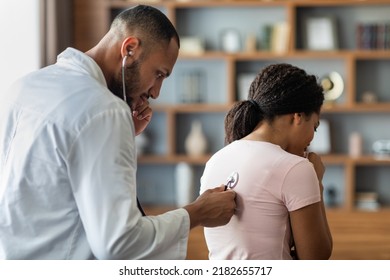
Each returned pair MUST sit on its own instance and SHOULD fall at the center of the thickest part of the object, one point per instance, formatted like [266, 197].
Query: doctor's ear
[129, 46]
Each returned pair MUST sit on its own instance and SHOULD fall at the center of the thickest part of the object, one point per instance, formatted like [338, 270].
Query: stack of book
[373, 36]
[275, 37]
[367, 201]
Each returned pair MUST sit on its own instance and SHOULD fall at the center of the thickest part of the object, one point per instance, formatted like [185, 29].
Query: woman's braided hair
[278, 89]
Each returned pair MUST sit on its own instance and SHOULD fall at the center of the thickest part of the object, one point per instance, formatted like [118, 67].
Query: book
[373, 36]
[280, 37]
[367, 201]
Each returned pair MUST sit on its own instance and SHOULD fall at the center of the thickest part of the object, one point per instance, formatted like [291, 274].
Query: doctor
[67, 152]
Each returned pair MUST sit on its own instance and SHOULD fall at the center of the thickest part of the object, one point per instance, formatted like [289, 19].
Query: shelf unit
[362, 70]
[357, 234]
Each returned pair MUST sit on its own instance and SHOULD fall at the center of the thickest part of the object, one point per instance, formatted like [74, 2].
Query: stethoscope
[232, 181]
[123, 75]
[125, 99]
[130, 53]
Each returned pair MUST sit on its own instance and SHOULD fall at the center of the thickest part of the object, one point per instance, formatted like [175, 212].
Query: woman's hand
[318, 165]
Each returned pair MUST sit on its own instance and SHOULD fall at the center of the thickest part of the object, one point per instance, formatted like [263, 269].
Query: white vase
[196, 142]
[184, 184]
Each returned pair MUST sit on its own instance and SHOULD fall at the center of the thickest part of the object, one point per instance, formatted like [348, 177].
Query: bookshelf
[362, 68]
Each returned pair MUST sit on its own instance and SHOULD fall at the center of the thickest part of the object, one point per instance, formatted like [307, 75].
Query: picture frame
[320, 33]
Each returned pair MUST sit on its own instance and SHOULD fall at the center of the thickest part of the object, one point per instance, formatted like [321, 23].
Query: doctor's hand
[214, 207]
[142, 115]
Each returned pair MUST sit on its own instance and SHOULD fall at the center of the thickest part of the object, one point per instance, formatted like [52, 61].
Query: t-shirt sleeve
[300, 187]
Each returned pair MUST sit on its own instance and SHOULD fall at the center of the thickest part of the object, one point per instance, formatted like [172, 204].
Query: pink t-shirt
[272, 183]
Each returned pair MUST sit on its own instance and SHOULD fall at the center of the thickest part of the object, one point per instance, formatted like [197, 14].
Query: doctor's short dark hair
[150, 24]
[278, 89]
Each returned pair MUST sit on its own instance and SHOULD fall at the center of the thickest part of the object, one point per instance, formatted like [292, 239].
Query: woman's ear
[298, 118]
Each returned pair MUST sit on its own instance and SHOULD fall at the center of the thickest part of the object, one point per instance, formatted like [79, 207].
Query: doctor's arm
[212, 208]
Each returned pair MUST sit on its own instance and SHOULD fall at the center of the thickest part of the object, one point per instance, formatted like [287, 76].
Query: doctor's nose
[154, 91]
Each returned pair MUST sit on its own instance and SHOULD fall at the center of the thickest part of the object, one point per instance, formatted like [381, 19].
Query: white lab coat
[68, 172]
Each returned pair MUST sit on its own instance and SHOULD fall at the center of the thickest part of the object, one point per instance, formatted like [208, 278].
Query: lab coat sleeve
[102, 168]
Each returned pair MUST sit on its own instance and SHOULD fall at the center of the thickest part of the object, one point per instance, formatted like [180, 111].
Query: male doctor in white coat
[67, 152]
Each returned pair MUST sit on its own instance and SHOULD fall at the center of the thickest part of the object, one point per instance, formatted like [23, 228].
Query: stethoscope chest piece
[232, 181]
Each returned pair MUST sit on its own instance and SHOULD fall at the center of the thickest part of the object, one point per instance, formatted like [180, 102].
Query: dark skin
[152, 76]
[311, 232]
[294, 132]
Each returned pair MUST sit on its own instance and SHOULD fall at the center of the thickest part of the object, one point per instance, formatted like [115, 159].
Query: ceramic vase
[355, 144]
[196, 143]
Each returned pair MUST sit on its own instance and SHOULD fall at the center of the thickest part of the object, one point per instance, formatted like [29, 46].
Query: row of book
[373, 36]
[275, 37]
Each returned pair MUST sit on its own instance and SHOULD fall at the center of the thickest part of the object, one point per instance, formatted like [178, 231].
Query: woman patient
[280, 210]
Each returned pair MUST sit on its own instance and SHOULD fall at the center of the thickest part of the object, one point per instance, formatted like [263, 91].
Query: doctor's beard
[132, 82]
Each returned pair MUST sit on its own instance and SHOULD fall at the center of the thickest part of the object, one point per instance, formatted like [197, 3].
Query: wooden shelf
[173, 159]
[372, 160]
[192, 108]
[357, 108]
[324, 3]
[327, 159]
[290, 54]
[330, 159]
